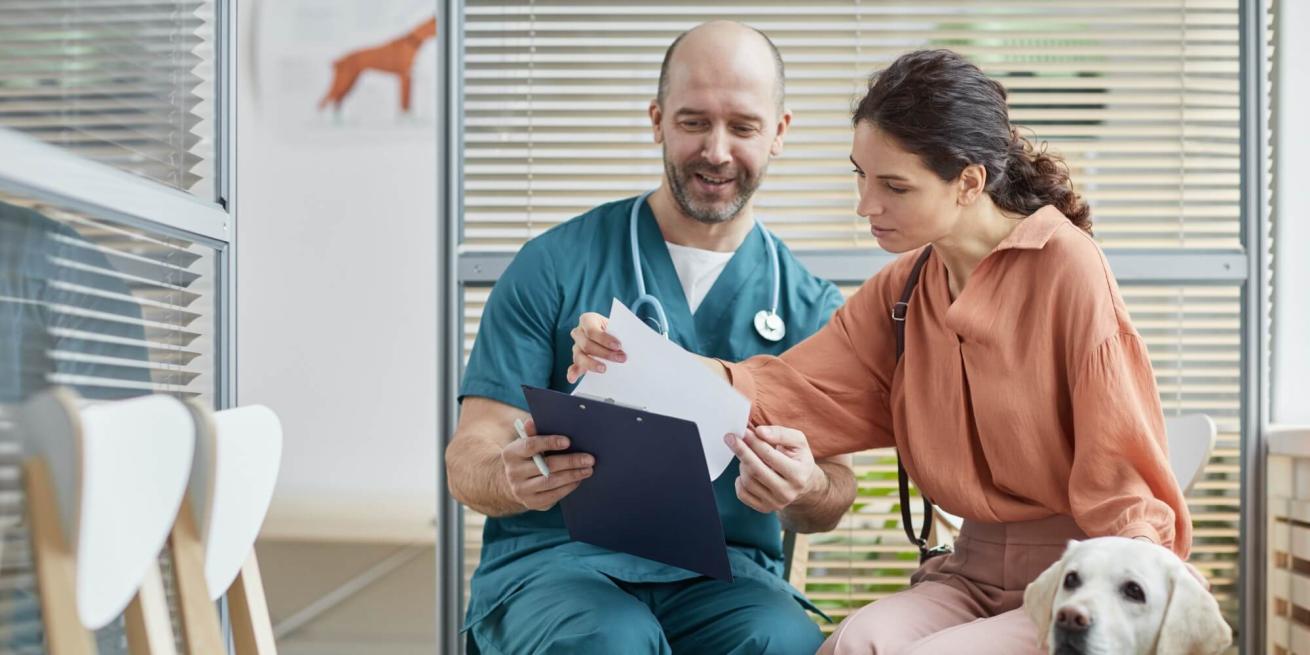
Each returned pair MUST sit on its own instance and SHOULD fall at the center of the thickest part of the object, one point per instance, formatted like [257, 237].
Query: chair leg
[252, 631]
[800, 562]
[197, 613]
[55, 565]
[149, 629]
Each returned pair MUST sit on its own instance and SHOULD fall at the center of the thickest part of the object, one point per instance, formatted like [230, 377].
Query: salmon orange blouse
[1028, 396]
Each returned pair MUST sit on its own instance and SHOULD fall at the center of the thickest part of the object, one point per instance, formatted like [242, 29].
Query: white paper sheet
[660, 377]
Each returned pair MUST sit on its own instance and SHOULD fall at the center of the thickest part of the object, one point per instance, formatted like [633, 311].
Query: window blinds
[1141, 97]
[108, 310]
[129, 83]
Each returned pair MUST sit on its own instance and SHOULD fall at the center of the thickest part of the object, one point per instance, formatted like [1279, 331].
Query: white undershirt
[697, 270]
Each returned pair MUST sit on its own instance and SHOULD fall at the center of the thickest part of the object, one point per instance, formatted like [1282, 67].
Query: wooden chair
[232, 479]
[96, 530]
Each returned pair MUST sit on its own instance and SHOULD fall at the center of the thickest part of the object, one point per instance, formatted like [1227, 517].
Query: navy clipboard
[649, 494]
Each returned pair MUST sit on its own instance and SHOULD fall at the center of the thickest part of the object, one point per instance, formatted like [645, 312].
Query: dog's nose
[1073, 619]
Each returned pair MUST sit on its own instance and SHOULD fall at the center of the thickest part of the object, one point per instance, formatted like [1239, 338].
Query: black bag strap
[899, 312]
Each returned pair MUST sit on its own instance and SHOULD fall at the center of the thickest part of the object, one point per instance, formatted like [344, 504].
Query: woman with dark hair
[996, 355]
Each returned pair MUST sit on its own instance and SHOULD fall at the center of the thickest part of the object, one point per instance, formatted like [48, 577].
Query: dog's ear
[1193, 624]
[1039, 597]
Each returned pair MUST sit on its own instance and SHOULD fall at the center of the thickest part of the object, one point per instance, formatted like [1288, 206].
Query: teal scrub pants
[583, 612]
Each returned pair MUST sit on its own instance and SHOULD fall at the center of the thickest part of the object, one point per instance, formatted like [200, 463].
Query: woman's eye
[896, 189]
[857, 172]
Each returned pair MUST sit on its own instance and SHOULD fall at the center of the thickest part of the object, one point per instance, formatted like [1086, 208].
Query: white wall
[337, 271]
[1291, 298]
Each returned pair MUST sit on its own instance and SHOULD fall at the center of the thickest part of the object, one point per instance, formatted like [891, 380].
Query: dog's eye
[1132, 591]
[1072, 581]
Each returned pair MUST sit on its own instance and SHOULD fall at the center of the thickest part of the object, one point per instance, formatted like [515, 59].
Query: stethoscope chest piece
[770, 325]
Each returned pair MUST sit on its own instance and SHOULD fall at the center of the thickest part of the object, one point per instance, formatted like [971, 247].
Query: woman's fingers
[751, 499]
[752, 465]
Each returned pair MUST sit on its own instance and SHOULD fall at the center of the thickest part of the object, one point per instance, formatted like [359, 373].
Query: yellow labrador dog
[1114, 595]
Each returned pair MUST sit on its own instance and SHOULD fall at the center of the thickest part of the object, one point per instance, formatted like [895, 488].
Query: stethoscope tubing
[644, 298]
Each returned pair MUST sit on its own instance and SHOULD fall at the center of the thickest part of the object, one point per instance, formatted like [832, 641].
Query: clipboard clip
[609, 401]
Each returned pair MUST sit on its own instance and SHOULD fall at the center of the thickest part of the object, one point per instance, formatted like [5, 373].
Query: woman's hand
[777, 467]
[593, 346]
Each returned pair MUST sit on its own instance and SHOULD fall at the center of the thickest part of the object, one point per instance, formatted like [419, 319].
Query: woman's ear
[972, 182]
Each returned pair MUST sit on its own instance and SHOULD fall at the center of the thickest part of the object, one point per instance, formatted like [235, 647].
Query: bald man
[719, 115]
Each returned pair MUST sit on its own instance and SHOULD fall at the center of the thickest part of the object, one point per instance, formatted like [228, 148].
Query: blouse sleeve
[835, 385]
[1121, 483]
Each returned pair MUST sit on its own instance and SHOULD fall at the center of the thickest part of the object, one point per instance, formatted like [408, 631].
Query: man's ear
[784, 124]
[656, 115]
[972, 183]
[1193, 624]
[1039, 597]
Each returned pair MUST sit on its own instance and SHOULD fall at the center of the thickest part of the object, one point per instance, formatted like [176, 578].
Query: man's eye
[1072, 581]
[1133, 591]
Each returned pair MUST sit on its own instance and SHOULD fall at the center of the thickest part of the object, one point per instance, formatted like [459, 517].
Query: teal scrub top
[581, 266]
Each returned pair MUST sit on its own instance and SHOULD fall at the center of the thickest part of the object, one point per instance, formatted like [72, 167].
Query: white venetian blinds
[109, 310]
[129, 83]
[1141, 96]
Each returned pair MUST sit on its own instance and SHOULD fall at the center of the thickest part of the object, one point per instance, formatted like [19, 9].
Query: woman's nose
[868, 205]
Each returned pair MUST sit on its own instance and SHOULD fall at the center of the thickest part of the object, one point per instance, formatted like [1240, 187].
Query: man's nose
[715, 150]
[1073, 619]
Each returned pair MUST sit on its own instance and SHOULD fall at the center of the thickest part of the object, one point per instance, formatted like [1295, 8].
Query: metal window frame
[225, 192]
[450, 529]
[47, 171]
[1255, 410]
[1243, 268]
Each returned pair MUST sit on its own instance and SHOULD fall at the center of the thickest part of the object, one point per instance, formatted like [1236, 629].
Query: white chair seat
[119, 471]
[235, 471]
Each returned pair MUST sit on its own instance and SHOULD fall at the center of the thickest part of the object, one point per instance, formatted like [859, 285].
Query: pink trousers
[967, 602]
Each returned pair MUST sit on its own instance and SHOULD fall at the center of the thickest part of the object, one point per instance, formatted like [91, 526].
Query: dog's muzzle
[1070, 635]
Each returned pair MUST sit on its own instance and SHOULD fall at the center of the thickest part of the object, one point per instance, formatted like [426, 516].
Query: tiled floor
[395, 615]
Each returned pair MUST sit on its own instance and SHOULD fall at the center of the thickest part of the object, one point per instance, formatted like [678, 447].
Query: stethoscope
[767, 321]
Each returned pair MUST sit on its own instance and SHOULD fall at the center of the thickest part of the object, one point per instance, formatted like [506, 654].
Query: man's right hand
[528, 486]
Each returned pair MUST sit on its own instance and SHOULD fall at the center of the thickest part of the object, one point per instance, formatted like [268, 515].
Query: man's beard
[709, 213]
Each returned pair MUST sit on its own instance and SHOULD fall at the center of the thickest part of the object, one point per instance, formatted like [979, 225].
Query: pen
[537, 459]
